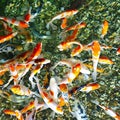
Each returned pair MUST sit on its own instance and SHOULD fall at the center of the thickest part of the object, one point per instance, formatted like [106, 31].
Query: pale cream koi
[7, 37]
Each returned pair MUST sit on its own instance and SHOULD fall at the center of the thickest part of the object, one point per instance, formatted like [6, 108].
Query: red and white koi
[48, 99]
[16, 113]
[7, 37]
[18, 23]
[108, 111]
[89, 87]
[65, 14]
[104, 28]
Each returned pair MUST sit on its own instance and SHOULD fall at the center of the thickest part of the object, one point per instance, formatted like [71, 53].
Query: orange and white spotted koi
[48, 99]
[89, 87]
[65, 14]
[105, 60]
[67, 44]
[22, 90]
[104, 28]
[95, 48]
[16, 113]
[74, 72]
[64, 23]
[108, 111]
[53, 89]
[7, 37]
[18, 23]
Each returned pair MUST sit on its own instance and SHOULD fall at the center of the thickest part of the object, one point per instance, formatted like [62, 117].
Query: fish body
[7, 37]
[89, 87]
[16, 113]
[18, 23]
[104, 28]
[62, 15]
[105, 60]
[48, 99]
[108, 111]
[95, 48]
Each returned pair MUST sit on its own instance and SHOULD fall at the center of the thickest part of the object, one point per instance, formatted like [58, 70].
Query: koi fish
[48, 99]
[89, 87]
[1, 82]
[74, 72]
[77, 50]
[95, 47]
[65, 14]
[118, 51]
[78, 111]
[67, 44]
[18, 23]
[105, 60]
[108, 111]
[64, 23]
[53, 89]
[16, 113]
[104, 28]
[7, 37]
[76, 26]
[22, 90]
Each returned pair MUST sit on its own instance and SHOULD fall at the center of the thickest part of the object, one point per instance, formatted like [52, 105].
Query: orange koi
[65, 14]
[76, 26]
[95, 47]
[104, 28]
[48, 99]
[7, 37]
[105, 60]
[16, 113]
[67, 44]
[63, 88]
[89, 87]
[72, 74]
[22, 90]
[1, 82]
[77, 50]
[18, 23]
[118, 51]
[108, 111]
[64, 23]
[36, 52]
